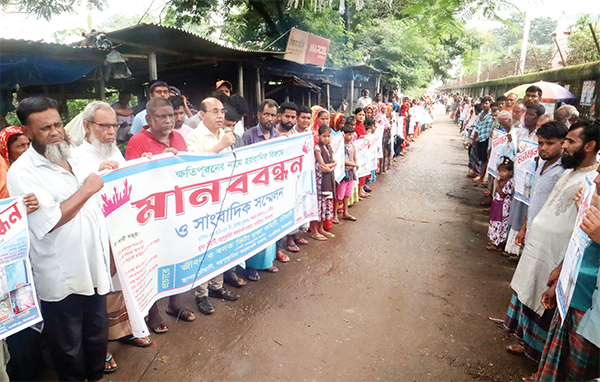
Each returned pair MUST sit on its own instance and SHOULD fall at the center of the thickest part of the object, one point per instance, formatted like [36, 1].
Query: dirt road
[403, 294]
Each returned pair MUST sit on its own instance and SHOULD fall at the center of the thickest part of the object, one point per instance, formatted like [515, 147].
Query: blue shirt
[484, 127]
[138, 122]
[255, 135]
[588, 327]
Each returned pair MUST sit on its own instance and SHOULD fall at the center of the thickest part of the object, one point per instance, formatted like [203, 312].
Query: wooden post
[351, 98]
[102, 89]
[595, 39]
[153, 69]
[258, 86]
[559, 51]
[328, 98]
[241, 79]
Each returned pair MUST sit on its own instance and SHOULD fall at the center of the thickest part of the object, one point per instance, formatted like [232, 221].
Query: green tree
[582, 47]
[45, 9]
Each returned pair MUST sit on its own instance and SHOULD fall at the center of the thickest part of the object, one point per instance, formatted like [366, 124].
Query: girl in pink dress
[501, 206]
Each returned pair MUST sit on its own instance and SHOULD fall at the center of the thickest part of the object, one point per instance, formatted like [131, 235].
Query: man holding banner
[70, 250]
[209, 137]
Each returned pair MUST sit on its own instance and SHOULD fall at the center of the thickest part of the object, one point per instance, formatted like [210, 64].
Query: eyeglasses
[106, 126]
[217, 111]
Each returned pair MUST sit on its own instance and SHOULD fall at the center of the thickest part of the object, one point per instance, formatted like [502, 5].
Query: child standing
[324, 166]
[346, 186]
[501, 205]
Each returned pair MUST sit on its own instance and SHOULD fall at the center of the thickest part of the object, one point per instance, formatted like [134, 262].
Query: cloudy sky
[20, 26]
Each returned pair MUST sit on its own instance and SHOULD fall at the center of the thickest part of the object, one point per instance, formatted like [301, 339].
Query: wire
[213, 231]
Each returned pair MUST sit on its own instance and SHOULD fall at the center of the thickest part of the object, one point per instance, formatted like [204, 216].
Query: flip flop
[160, 328]
[272, 269]
[301, 241]
[252, 274]
[352, 218]
[292, 248]
[233, 279]
[328, 234]
[510, 350]
[283, 257]
[335, 221]
[108, 370]
[132, 340]
[319, 237]
[182, 314]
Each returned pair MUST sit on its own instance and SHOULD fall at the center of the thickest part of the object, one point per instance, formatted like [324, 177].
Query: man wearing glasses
[209, 137]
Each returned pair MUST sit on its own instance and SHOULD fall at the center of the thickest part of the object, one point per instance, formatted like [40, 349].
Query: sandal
[160, 328]
[292, 248]
[283, 257]
[516, 349]
[335, 221]
[318, 237]
[182, 313]
[349, 217]
[136, 341]
[233, 279]
[301, 241]
[328, 234]
[530, 378]
[252, 274]
[272, 269]
[108, 368]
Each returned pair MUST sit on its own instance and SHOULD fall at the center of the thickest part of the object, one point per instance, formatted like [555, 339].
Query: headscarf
[4, 135]
[381, 116]
[335, 121]
[314, 122]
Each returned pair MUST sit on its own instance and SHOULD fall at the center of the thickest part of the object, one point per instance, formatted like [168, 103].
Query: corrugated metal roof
[144, 38]
[65, 52]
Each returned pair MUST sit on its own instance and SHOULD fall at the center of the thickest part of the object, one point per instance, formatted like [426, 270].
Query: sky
[20, 26]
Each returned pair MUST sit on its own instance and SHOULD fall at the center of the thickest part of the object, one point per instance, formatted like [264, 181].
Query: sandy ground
[403, 294]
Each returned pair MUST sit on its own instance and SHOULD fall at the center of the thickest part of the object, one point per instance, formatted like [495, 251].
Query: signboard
[499, 148]
[587, 93]
[18, 301]
[306, 48]
[208, 213]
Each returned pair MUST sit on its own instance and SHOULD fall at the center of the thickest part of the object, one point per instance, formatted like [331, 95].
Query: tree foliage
[582, 47]
[45, 9]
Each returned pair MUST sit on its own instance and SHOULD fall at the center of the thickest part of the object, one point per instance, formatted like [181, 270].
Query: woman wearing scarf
[361, 131]
[381, 119]
[338, 121]
[12, 144]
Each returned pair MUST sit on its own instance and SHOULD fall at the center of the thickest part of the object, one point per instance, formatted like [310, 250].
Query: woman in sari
[12, 144]
[338, 121]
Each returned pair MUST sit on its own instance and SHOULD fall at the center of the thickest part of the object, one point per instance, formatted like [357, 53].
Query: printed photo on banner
[572, 262]
[18, 301]
[339, 155]
[525, 168]
[208, 213]
[587, 93]
[500, 148]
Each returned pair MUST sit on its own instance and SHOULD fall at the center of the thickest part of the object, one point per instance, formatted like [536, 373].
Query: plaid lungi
[528, 326]
[567, 355]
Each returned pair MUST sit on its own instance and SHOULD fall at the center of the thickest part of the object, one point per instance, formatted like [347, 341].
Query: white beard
[59, 153]
[105, 149]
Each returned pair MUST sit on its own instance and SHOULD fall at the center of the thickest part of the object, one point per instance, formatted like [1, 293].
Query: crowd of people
[536, 235]
[55, 167]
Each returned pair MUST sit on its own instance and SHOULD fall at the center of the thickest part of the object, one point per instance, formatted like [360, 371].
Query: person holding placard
[572, 349]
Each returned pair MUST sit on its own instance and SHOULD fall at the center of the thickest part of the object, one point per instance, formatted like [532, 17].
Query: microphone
[227, 130]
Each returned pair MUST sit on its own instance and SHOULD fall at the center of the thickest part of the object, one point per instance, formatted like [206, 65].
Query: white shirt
[138, 122]
[74, 258]
[90, 159]
[201, 139]
[363, 101]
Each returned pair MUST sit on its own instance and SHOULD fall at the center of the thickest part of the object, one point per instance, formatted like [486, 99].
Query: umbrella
[551, 92]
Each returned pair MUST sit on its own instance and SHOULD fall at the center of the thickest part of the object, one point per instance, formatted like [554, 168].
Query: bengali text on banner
[178, 221]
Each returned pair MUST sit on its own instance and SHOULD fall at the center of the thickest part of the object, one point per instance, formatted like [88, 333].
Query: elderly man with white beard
[99, 152]
[70, 251]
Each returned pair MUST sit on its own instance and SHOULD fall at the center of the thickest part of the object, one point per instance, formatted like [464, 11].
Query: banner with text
[572, 262]
[178, 221]
[368, 150]
[18, 303]
[339, 155]
[499, 147]
[525, 170]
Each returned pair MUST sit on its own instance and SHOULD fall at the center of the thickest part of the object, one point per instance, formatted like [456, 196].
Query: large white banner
[178, 221]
